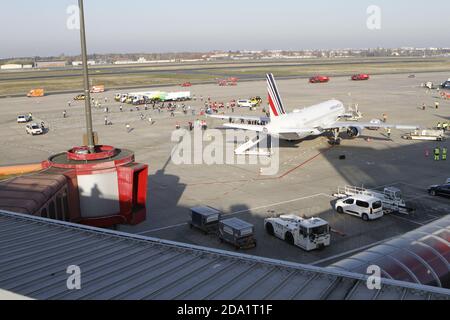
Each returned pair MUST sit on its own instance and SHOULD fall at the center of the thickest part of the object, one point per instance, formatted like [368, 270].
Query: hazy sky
[31, 28]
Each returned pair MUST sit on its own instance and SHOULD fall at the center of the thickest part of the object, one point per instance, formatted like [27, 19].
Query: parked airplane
[328, 116]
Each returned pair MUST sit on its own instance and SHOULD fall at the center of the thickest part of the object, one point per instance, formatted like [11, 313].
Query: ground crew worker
[444, 153]
[389, 133]
[437, 152]
[384, 117]
[439, 126]
[120, 108]
[106, 100]
[106, 120]
[445, 126]
[436, 104]
[423, 106]
[128, 127]
[64, 113]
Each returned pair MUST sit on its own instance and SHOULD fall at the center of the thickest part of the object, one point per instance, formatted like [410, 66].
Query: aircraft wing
[246, 118]
[364, 125]
[249, 127]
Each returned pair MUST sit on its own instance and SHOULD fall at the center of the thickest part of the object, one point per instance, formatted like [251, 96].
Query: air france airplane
[310, 121]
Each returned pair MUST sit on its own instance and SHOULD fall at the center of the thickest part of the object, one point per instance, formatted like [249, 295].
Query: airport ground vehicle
[24, 118]
[237, 232]
[360, 77]
[429, 85]
[440, 190]
[81, 96]
[228, 82]
[205, 219]
[376, 124]
[36, 93]
[391, 197]
[446, 84]
[119, 96]
[186, 84]
[308, 234]
[360, 205]
[98, 89]
[319, 79]
[257, 101]
[245, 104]
[176, 96]
[33, 129]
[430, 135]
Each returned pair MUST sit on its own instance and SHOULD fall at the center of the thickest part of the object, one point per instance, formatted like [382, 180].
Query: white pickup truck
[308, 234]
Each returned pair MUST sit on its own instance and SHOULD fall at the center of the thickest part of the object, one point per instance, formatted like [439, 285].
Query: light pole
[87, 102]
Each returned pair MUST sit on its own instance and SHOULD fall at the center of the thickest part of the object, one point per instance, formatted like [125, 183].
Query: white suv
[363, 206]
[34, 129]
[23, 119]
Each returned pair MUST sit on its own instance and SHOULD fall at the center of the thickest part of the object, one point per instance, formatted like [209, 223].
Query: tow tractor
[390, 197]
[308, 234]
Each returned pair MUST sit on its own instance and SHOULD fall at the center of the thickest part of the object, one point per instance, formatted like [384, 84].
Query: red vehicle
[187, 84]
[319, 79]
[359, 77]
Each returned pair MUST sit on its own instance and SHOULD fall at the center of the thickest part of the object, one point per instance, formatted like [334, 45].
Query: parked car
[23, 118]
[376, 123]
[319, 79]
[80, 97]
[440, 190]
[360, 77]
[34, 129]
[363, 206]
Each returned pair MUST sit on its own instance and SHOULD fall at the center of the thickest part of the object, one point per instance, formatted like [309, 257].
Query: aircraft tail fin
[275, 102]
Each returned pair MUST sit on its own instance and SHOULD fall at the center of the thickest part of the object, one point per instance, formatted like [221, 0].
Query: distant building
[27, 66]
[11, 66]
[79, 63]
[50, 64]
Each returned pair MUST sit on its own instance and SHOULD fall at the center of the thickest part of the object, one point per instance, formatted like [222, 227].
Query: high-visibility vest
[437, 151]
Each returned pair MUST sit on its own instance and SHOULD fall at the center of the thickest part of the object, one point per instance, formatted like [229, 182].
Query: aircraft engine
[354, 132]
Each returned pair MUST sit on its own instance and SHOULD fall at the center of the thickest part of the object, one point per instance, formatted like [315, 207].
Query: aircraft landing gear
[335, 140]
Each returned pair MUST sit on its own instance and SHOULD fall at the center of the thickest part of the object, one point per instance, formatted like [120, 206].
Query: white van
[245, 104]
[363, 206]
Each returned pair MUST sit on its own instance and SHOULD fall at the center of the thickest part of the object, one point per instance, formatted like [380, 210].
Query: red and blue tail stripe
[275, 102]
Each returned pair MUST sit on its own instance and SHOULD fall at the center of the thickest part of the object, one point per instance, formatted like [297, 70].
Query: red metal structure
[319, 79]
[360, 77]
[105, 188]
